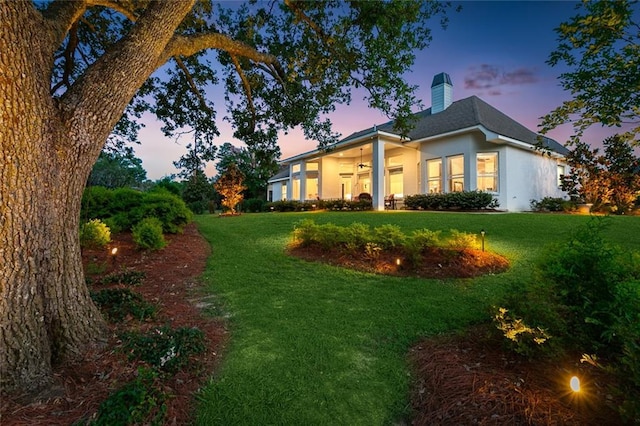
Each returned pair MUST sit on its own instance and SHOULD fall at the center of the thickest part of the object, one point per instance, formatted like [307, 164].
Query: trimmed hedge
[336, 205]
[466, 200]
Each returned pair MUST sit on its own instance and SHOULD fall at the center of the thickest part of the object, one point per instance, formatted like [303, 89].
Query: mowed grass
[319, 345]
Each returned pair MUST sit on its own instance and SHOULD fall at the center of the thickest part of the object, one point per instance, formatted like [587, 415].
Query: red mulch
[458, 379]
[472, 380]
[435, 263]
[171, 284]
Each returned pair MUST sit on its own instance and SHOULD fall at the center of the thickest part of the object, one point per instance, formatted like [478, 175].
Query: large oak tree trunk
[45, 308]
[47, 149]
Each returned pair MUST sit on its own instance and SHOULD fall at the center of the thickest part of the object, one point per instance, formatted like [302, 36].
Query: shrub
[168, 208]
[587, 294]
[466, 200]
[164, 348]
[306, 232]
[128, 277]
[425, 238]
[389, 236]
[552, 204]
[198, 207]
[535, 302]
[586, 271]
[96, 202]
[94, 234]
[521, 336]
[357, 235]
[253, 205]
[462, 240]
[118, 303]
[137, 402]
[148, 234]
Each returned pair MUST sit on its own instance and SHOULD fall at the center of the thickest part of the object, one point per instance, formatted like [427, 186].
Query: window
[434, 175]
[364, 183]
[456, 173]
[283, 195]
[560, 172]
[487, 167]
[396, 178]
[345, 187]
[312, 188]
[295, 168]
[295, 194]
[312, 167]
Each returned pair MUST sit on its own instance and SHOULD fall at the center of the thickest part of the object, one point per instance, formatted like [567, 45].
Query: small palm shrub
[94, 233]
[148, 234]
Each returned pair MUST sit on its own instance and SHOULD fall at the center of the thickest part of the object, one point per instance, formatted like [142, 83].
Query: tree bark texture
[47, 149]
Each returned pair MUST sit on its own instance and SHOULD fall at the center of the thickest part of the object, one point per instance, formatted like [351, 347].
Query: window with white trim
[396, 182]
[455, 173]
[560, 172]
[434, 175]
[487, 168]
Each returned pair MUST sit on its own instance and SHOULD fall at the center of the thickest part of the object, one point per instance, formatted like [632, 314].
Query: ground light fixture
[574, 384]
[114, 254]
[482, 232]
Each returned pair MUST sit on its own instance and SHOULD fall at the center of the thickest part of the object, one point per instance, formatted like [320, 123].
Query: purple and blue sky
[495, 50]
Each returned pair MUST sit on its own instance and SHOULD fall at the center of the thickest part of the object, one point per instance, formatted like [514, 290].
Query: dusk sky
[495, 50]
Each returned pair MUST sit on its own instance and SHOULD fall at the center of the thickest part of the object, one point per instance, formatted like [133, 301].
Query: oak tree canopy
[75, 73]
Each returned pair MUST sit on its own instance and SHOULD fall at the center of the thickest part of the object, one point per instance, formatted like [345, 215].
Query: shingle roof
[282, 174]
[465, 113]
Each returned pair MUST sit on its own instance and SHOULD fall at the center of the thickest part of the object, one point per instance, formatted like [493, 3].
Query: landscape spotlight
[482, 234]
[574, 383]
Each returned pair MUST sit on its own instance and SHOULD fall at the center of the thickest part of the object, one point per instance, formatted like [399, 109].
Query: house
[462, 145]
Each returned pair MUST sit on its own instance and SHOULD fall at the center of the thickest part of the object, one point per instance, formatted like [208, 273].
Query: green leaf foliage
[147, 234]
[600, 46]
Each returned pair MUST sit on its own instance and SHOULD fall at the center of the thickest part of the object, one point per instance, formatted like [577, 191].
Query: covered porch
[380, 166]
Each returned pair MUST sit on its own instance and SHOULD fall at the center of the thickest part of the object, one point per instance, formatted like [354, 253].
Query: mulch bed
[171, 284]
[471, 380]
[435, 263]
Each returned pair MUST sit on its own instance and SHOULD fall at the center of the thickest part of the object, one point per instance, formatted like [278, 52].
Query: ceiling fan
[362, 165]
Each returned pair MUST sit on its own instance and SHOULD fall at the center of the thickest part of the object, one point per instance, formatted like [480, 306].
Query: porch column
[303, 180]
[377, 174]
[290, 183]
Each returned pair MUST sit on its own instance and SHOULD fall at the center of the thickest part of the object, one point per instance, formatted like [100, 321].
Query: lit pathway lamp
[482, 236]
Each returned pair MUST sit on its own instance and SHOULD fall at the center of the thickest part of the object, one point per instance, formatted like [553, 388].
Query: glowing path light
[575, 384]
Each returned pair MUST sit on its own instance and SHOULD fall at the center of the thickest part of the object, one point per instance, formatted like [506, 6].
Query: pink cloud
[492, 78]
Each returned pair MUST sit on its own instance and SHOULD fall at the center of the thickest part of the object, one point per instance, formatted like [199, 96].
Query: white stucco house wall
[464, 145]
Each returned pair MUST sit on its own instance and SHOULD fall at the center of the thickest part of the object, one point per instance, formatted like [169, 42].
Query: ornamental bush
[169, 209]
[94, 233]
[148, 234]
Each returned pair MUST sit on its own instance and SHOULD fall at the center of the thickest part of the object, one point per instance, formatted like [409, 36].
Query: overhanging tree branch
[192, 84]
[189, 45]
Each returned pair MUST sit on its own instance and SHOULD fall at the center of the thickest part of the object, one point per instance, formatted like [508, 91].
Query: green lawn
[313, 344]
